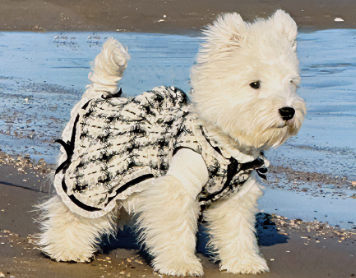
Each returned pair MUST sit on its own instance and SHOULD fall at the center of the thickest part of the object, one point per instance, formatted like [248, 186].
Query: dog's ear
[228, 29]
[285, 24]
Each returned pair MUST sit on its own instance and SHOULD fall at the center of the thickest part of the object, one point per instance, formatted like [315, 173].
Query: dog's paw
[245, 265]
[73, 258]
[187, 267]
[67, 255]
[77, 259]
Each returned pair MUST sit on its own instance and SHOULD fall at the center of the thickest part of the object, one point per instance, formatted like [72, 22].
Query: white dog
[169, 161]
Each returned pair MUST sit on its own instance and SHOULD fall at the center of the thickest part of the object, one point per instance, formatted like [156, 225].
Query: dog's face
[246, 78]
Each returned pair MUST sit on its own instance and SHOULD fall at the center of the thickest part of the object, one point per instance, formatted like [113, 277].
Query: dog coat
[119, 144]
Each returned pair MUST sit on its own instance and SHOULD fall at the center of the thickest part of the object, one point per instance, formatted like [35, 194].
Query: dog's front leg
[232, 230]
[169, 211]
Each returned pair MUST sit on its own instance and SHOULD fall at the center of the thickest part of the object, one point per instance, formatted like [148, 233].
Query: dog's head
[246, 77]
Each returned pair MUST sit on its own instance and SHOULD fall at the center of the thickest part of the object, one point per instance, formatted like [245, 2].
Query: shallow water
[331, 208]
[327, 141]
[43, 75]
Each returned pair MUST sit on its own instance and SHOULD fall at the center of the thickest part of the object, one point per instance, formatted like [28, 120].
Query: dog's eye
[255, 85]
[295, 82]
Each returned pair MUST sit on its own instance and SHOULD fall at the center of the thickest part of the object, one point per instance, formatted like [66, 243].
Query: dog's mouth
[284, 124]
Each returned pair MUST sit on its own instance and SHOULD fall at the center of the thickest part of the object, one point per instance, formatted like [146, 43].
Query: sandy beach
[292, 247]
[163, 16]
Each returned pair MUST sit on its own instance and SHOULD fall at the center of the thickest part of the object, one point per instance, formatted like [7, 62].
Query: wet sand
[292, 248]
[163, 16]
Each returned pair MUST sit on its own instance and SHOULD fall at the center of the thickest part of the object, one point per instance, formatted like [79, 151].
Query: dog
[169, 160]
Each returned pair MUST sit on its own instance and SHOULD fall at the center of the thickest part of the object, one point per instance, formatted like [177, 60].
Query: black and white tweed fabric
[119, 144]
[226, 174]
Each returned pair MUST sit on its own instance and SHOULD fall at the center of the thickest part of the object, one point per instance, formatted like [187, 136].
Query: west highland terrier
[170, 162]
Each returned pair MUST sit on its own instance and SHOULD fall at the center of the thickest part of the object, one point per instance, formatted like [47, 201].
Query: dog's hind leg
[67, 236]
[232, 230]
[169, 214]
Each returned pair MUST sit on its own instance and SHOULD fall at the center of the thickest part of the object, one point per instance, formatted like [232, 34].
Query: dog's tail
[107, 69]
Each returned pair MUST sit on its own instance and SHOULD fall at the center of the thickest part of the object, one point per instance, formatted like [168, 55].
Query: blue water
[42, 75]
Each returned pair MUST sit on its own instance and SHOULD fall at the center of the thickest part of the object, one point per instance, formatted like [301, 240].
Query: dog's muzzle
[286, 113]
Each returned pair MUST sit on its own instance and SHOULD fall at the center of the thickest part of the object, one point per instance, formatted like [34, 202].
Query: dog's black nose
[287, 113]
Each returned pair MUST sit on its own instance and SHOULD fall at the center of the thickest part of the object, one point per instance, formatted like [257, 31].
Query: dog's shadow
[266, 232]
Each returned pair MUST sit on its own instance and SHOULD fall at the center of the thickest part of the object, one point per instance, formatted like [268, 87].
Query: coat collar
[228, 148]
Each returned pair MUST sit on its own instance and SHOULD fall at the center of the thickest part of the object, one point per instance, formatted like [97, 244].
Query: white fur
[67, 236]
[232, 230]
[247, 121]
[168, 221]
[236, 54]
[108, 68]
